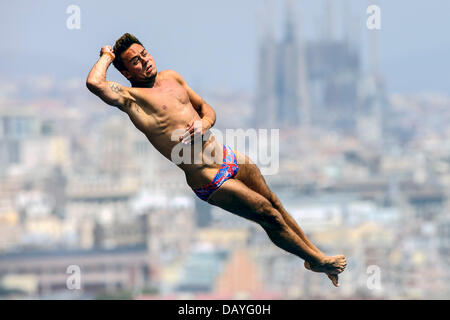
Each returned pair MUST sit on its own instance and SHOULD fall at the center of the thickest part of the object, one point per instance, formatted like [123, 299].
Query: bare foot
[333, 277]
[331, 266]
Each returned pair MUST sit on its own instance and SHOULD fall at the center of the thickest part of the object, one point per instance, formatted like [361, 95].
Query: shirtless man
[161, 103]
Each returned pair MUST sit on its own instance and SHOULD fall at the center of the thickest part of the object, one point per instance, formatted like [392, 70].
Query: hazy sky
[213, 44]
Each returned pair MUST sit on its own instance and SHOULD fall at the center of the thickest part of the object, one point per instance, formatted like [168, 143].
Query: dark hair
[121, 45]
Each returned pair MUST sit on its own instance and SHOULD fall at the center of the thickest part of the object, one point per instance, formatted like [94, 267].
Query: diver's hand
[195, 129]
[107, 51]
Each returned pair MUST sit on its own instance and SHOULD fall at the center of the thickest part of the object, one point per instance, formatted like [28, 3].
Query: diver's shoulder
[169, 73]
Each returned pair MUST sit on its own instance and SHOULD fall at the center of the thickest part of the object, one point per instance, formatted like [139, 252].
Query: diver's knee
[274, 200]
[271, 218]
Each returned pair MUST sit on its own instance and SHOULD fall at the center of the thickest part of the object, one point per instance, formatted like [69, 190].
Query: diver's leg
[251, 176]
[235, 197]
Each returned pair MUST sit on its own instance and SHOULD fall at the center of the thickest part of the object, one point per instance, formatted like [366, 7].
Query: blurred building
[303, 81]
[240, 276]
[444, 238]
[287, 76]
[17, 125]
[101, 270]
[201, 269]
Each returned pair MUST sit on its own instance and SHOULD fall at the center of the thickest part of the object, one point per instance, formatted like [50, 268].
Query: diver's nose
[146, 62]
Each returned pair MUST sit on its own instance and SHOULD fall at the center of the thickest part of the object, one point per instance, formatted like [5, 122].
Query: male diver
[158, 104]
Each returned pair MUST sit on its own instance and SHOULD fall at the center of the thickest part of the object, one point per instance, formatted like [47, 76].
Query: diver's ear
[126, 74]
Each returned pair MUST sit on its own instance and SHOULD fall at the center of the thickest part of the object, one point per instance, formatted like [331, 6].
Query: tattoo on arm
[125, 102]
[115, 87]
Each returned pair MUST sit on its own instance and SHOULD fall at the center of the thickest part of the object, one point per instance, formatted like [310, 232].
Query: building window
[13, 152]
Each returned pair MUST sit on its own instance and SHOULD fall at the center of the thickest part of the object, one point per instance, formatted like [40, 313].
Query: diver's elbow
[92, 85]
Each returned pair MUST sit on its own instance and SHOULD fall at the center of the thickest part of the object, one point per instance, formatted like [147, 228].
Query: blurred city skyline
[213, 44]
[364, 153]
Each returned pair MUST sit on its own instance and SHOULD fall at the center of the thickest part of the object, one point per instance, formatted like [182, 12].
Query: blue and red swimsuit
[227, 171]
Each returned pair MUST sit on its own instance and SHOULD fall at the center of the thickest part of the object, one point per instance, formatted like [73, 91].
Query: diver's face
[139, 63]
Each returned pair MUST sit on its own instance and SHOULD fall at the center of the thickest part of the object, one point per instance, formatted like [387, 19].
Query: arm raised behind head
[110, 92]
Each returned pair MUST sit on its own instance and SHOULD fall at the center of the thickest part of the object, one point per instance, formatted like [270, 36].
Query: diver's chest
[172, 92]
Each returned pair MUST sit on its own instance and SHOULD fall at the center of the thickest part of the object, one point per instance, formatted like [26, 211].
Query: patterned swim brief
[228, 170]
